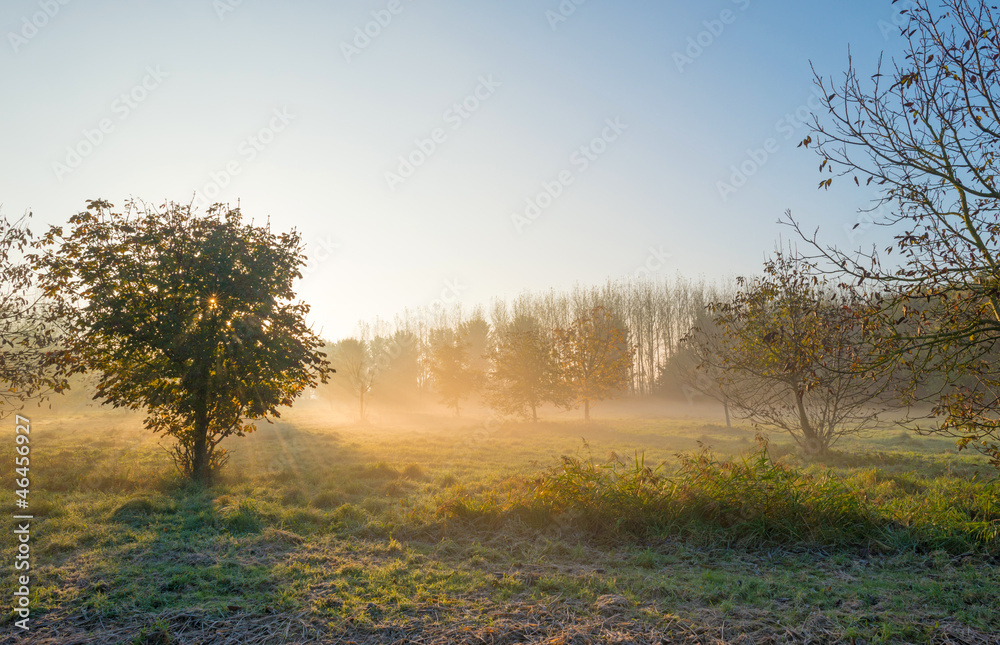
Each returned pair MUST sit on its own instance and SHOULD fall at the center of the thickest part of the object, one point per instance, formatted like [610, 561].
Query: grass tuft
[327, 499]
[244, 518]
[413, 471]
[156, 634]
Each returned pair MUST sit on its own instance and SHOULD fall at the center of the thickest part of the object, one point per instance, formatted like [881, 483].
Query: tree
[451, 368]
[782, 353]
[359, 368]
[399, 371]
[524, 374]
[29, 333]
[595, 357]
[475, 333]
[925, 134]
[188, 317]
[693, 365]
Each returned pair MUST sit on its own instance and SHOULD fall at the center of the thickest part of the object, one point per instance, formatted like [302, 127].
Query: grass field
[452, 531]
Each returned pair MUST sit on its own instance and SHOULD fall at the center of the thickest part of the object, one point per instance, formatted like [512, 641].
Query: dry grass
[331, 534]
[553, 624]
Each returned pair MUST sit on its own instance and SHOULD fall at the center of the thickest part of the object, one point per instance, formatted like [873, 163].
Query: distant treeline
[393, 360]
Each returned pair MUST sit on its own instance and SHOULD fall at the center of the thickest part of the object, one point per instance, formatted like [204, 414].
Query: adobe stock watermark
[866, 220]
[450, 295]
[454, 118]
[856, 231]
[562, 12]
[324, 250]
[399, 343]
[655, 262]
[365, 34]
[121, 108]
[900, 18]
[32, 25]
[247, 150]
[22, 552]
[484, 432]
[224, 7]
[580, 161]
[713, 30]
[756, 158]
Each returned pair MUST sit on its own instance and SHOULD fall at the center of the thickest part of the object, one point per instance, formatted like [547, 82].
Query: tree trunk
[361, 407]
[534, 413]
[725, 406]
[199, 459]
[586, 409]
[201, 469]
[810, 442]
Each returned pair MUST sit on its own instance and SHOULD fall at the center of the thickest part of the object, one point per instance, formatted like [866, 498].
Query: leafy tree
[524, 374]
[451, 368]
[782, 353]
[925, 134]
[691, 367]
[29, 333]
[403, 365]
[358, 367]
[475, 333]
[188, 317]
[595, 357]
[399, 366]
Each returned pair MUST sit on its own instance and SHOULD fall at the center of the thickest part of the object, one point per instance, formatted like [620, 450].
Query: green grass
[441, 524]
[752, 502]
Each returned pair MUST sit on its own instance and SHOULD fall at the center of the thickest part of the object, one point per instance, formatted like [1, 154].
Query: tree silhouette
[188, 317]
[525, 373]
[694, 366]
[29, 333]
[925, 134]
[357, 365]
[782, 352]
[595, 357]
[451, 368]
[399, 372]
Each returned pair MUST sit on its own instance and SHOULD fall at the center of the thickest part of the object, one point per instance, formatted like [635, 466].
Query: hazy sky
[405, 138]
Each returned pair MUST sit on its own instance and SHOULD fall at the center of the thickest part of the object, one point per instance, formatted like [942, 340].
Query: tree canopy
[525, 373]
[29, 334]
[924, 133]
[190, 317]
[782, 352]
[359, 365]
[452, 367]
[595, 357]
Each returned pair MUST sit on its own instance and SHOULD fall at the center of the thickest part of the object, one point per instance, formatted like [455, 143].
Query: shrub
[752, 501]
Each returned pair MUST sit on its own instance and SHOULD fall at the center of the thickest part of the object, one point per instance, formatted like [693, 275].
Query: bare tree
[783, 356]
[358, 368]
[696, 364]
[925, 133]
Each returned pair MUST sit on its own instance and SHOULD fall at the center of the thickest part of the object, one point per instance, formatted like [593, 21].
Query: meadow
[431, 529]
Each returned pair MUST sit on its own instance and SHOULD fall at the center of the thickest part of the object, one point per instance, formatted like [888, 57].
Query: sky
[434, 151]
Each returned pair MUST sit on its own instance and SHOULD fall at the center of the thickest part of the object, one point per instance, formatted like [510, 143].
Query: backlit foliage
[188, 317]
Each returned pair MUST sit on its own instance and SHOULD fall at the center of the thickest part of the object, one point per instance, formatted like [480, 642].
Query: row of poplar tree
[563, 348]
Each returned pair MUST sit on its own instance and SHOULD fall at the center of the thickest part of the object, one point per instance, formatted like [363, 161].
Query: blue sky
[547, 143]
